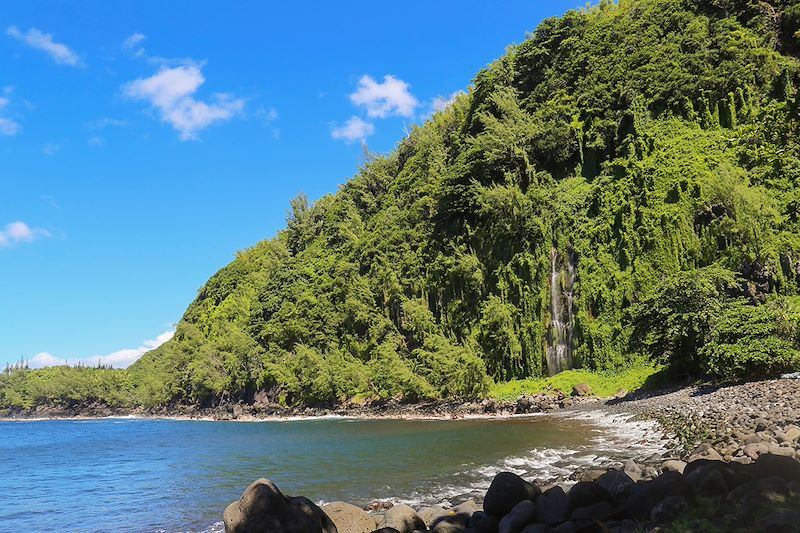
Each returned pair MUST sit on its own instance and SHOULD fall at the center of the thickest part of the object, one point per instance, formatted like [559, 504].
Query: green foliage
[655, 141]
[673, 324]
[603, 384]
[754, 341]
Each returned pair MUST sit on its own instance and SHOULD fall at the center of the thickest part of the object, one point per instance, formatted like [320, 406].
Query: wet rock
[775, 465]
[615, 482]
[552, 506]
[647, 494]
[484, 523]
[598, 511]
[709, 482]
[537, 528]
[264, 509]
[506, 491]
[523, 514]
[403, 518]
[584, 494]
[348, 518]
[668, 509]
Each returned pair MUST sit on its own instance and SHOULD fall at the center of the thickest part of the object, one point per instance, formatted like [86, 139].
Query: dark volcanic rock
[552, 506]
[584, 494]
[668, 509]
[776, 465]
[484, 523]
[264, 509]
[647, 494]
[617, 483]
[521, 515]
[506, 491]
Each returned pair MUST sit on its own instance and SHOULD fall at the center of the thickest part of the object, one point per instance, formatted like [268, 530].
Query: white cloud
[118, 359]
[391, 97]
[8, 127]
[106, 123]
[355, 129]
[60, 53]
[50, 149]
[170, 91]
[133, 40]
[440, 103]
[267, 115]
[17, 232]
[96, 142]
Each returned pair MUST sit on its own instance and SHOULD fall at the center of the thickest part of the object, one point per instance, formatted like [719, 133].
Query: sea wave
[619, 437]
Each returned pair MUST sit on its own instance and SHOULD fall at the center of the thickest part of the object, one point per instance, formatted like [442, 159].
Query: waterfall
[562, 281]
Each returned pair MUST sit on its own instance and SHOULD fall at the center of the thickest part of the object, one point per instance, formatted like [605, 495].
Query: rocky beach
[729, 462]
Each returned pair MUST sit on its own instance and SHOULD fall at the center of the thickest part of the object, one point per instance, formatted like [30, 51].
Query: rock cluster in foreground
[756, 497]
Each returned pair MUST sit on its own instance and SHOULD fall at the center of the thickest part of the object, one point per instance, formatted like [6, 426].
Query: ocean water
[136, 475]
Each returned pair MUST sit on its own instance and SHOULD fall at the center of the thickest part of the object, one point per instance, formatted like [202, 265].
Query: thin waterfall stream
[562, 281]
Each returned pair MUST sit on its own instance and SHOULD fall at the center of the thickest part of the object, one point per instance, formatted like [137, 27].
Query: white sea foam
[618, 437]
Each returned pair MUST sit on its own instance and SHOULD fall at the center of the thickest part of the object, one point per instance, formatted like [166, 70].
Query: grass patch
[602, 383]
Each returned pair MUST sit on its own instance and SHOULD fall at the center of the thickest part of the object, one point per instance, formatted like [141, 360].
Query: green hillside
[622, 186]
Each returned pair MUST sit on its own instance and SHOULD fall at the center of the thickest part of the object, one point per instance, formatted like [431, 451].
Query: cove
[166, 475]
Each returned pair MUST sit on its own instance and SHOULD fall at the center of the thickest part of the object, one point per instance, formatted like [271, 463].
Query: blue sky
[144, 143]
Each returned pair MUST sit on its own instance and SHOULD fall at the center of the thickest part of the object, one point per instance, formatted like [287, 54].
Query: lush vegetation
[653, 142]
[603, 384]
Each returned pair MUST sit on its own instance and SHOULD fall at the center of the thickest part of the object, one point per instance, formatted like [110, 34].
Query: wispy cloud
[133, 41]
[103, 123]
[391, 97]
[440, 103]
[355, 129]
[171, 91]
[267, 115]
[35, 38]
[118, 359]
[8, 127]
[51, 148]
[19, 232]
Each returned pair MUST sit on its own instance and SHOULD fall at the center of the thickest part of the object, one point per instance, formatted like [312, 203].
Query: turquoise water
[176, 476]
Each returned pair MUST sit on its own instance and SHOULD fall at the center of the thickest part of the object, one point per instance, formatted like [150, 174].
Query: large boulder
[775, 465]
[523, 514]
[348, 518]
[460, 515]
[616, 482]
[585, 494]
[647, 494]
[552, 506]
[403, 518]
[484, 522]
[506, 491]
[264, 509]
